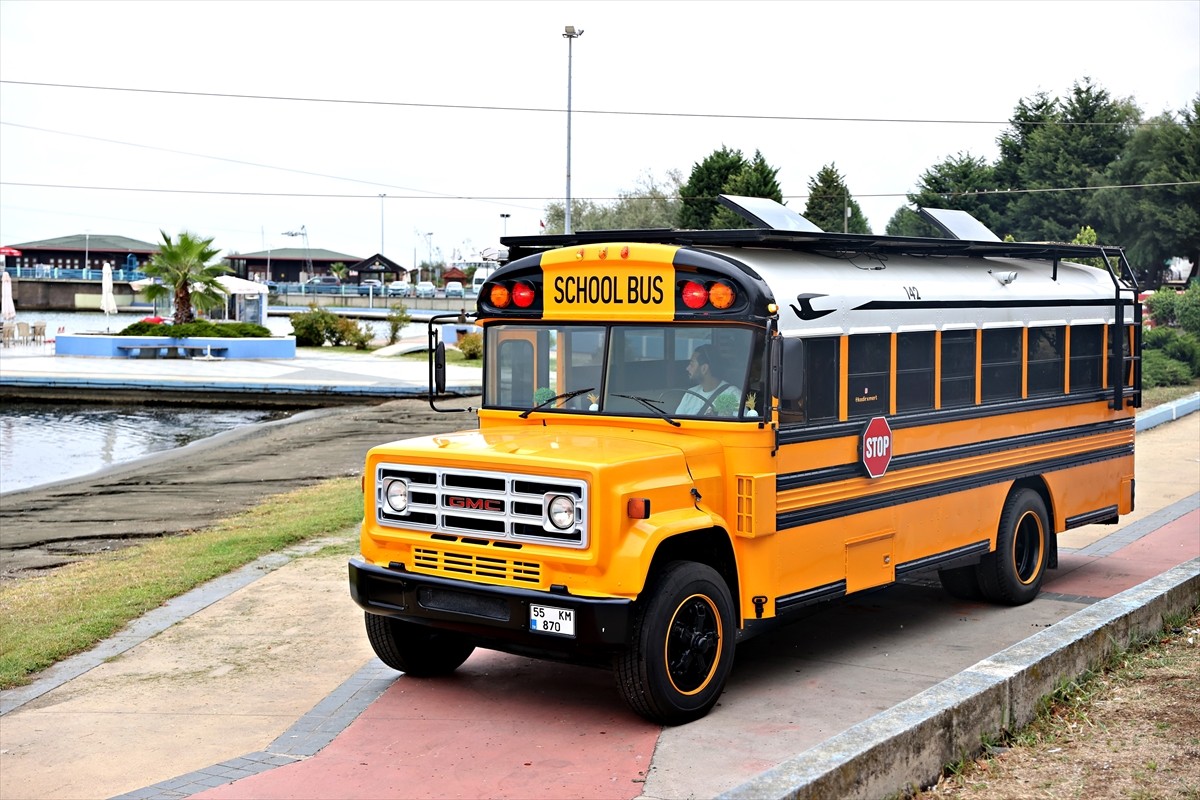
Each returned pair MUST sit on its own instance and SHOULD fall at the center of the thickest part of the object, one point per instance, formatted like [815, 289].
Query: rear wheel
[681, 649]
[416, 650]
[1013, 573]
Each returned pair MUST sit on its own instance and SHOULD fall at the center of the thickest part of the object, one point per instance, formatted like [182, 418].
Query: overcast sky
[246, 170]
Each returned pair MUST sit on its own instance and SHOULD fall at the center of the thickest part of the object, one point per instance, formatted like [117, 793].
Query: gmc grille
[490, 506]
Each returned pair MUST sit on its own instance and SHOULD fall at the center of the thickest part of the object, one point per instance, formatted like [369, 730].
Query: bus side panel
[1090, 488]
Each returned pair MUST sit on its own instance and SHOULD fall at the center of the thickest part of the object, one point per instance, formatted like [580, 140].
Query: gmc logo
[475, 503]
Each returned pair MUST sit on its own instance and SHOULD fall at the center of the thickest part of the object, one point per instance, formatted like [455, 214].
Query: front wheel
[681, 648]
[1013, 573]
[416, 650]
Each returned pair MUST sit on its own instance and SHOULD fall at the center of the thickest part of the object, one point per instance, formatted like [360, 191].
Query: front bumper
[496, 616]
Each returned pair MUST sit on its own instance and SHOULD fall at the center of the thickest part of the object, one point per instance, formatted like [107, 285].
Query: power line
[499, 198]
[542, 110]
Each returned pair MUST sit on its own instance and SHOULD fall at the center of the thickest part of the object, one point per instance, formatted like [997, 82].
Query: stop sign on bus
[877, 447]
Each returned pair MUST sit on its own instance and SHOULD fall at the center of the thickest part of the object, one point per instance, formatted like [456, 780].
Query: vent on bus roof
[763, 212]
[958, 224]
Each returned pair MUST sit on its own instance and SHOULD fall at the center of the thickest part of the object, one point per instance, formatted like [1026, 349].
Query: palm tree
[184, 272]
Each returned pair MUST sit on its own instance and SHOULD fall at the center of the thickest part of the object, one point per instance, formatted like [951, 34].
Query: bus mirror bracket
[437, 360]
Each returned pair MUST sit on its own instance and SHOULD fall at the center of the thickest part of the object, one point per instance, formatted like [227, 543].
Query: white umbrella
[108, 301]
[8, 310]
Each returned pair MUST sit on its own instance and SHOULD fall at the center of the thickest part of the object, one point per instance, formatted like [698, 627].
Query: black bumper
[497, 616]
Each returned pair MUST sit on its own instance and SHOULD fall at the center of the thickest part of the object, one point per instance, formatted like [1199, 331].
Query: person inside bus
[711, 396]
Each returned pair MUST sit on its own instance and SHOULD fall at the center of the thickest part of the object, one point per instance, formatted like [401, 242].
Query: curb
[1167, 412]
[912, 742]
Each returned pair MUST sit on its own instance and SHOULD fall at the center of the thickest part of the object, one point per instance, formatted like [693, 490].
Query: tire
[1013, 574]
[681, 647]
[416, 650]
[961, 582]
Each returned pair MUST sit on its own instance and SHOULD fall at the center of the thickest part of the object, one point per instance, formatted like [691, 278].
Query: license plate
[555, 621]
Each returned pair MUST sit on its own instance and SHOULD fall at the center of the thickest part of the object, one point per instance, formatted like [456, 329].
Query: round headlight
[396, 493]
[561, 511]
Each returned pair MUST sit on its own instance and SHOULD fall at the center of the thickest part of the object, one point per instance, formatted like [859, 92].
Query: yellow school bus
[686, 437]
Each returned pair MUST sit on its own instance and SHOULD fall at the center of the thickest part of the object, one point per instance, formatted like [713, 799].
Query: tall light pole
[504, 219]
[570, 34]
[381, 223]
[429, 261]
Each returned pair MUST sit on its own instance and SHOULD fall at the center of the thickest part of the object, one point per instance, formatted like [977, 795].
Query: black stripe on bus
[967, 554]
[816, 431]
[847, 508]
[1106, 514]
[818, 594]
[959, 556]
[796, 480]
[891, 305]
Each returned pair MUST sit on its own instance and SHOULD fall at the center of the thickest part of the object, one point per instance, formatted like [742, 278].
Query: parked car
[370, 286]
[426, 289]
[399, 289]
[323, 284]
[454, 289]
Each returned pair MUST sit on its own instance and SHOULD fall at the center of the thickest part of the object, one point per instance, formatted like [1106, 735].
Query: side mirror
[787, 367]
[439, 368]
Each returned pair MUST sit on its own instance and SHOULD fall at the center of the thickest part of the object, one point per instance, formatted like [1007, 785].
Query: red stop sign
[877, 447]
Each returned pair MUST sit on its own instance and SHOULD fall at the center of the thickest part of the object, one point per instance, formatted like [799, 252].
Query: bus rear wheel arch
[681, 647]
[1012, 574]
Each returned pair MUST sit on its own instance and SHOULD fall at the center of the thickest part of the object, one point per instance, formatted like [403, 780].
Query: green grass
[46, 618]
[1165, 394]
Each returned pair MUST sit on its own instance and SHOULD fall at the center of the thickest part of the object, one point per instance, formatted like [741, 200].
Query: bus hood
[584, 447]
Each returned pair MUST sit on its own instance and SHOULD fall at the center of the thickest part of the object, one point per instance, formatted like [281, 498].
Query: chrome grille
[487, 506]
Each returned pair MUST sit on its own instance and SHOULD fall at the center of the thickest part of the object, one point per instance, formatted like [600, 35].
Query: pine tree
[828, 201]
[708, 179]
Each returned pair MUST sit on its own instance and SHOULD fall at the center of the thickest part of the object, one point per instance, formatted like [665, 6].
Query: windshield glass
[674, 371]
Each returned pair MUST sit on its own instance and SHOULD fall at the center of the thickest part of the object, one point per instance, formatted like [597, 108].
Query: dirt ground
[1132, 733]
[193, 486]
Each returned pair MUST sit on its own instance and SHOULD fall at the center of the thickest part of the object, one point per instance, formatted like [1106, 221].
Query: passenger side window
[1087, 353]
[1046, 360]
[958, 368]
[914, 371]
[1001, 368]
[869, 368]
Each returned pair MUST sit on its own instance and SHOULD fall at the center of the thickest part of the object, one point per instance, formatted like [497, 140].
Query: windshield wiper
[563, 397]
[650, 404]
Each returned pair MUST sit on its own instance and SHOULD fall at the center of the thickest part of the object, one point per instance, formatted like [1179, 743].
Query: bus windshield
[631, 370]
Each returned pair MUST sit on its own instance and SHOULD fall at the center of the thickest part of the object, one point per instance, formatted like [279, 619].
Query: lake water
[45, 442]
[34, 437]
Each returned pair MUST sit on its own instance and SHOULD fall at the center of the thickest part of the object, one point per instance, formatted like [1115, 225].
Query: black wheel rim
[1027, 548]
[693, 644]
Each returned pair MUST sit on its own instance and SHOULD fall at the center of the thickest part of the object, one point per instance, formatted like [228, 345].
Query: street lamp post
[504, 219]
[381, 223]
[429, 261]
[570, 34]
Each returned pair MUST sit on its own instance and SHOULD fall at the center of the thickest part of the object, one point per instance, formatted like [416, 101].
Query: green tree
[756, 179]
[963, 183]
[828, 201]
[341, 270]
[698, 197]
[185, 273]
[650, 204]
[1084, 135]
[1155, 223]
[906, 222]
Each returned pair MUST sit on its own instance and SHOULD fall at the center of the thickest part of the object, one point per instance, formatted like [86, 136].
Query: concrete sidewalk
[262, 684]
